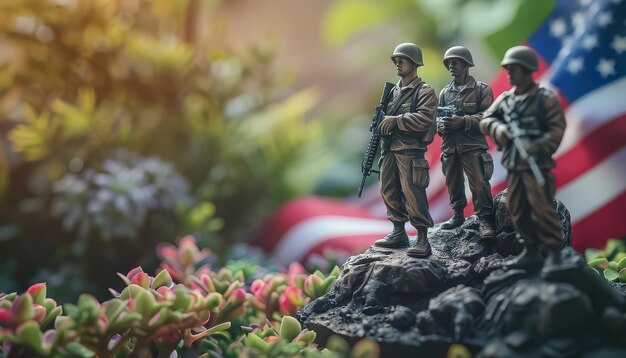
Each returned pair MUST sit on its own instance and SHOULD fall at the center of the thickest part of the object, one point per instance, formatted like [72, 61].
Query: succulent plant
[115, 200]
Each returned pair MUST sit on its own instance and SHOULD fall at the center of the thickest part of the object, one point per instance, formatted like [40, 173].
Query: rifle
[374, 143]
[516, 132]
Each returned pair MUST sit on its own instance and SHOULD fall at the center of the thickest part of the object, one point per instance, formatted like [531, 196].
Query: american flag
[582, 49]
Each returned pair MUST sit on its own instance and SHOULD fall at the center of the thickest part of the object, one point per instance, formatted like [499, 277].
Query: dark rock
[463, 294]
[402, 318]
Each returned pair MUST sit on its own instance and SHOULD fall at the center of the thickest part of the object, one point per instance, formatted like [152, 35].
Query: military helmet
[523, 56]
[458, 52]
[410, 51]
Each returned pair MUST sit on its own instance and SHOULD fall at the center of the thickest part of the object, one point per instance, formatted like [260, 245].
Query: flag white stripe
[596, 187]
[304, 236]
[593, 111]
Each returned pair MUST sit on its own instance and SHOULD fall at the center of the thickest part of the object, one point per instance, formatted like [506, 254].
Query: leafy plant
[610, 262]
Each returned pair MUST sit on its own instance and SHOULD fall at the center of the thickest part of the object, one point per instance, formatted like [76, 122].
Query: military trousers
[478, 167]
[404, 178]
[532, 209]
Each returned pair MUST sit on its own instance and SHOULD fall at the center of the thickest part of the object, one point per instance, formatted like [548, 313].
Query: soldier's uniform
[541, 118]
[404, 174]
[465, 149]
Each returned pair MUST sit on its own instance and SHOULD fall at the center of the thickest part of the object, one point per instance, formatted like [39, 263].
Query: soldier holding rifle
[464, 148]
[527, 123]
[406, 130]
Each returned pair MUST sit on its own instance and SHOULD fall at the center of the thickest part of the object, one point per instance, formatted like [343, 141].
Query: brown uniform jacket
[538, 111]
[465, 99]
[415, 129]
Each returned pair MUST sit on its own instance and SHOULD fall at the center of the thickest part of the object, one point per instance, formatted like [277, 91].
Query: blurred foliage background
[126, 123]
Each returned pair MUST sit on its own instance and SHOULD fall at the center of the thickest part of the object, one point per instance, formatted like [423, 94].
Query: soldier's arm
[472, 122]
[492, 119]
[442, 100]
[425, 113]
[554, 124]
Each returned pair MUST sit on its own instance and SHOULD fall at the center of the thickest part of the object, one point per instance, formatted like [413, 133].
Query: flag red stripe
[593, 149]
[351, 244]
[298, 210]
[604, 223]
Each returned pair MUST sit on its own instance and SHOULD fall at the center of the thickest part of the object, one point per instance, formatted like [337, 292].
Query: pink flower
[238, 296]
[257, 288]
[290, 300]
[141, 279]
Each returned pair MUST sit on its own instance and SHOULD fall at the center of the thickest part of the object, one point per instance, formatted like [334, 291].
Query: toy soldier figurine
[406, 131]
[464, 148]
[527, 123]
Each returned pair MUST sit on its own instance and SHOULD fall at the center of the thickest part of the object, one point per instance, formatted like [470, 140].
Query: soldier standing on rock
[406, 131]
[530, 117]
[464, 148]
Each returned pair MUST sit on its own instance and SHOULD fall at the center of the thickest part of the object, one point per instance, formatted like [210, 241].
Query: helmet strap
[409, 71]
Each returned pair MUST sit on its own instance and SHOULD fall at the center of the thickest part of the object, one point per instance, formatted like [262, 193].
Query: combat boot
[422, 247]
[485, 228]
[396, 238]
[455, 221]
[529, 259]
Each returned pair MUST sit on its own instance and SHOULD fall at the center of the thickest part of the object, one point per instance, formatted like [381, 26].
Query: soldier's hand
[502, 135]
[455, 122]
[530, 146]
[388, 125]
[443, 126]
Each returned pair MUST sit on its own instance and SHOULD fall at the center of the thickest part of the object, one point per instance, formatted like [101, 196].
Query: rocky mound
[463, 294]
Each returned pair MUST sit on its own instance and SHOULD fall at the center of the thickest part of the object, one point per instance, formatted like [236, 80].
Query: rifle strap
[404, 98]
[479, 97]
[416, 93]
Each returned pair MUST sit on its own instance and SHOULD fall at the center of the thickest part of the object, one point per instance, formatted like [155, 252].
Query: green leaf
[254, 341]
[614, 246]
[622, 263]
[598, 263]
[51, 316]
[622, 275]
[611, 275]
[459, 351]
[30, 335]
[23, 307]
[290, 328]
[369, 348]
[613, 265]
[162, 279]
[592, 254]
[79, 350]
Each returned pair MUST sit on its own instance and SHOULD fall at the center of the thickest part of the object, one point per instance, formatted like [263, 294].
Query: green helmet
[458, 52]
[523, 56]
[410, 51]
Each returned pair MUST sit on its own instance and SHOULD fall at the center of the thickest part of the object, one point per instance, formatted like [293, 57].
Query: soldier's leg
[414, 178]
[545, 220]
[520, 211]
[391, 191]
[478, 166]
[453, 172]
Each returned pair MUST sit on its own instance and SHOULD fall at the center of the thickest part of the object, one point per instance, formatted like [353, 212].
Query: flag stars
[578, 20]
[590, 41]
[619, 44]
[558, 28]
[606, 67]
[575, 65]
[605, 18]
